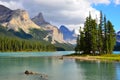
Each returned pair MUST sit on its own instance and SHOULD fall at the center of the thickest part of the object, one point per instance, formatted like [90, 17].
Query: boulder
[28, 72]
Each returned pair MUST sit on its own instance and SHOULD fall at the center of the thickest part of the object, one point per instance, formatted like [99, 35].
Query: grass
[111, 57]
[105, 57]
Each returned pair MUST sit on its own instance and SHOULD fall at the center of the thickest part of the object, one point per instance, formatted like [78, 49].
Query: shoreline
[103, 58]
[85, 58]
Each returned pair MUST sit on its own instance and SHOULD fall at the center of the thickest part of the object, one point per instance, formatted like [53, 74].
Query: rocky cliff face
[16, 19]
[54, 32]
[19, 19]
[16, 23]
[4, 14]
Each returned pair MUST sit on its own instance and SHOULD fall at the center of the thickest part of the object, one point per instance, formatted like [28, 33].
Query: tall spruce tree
[82, 41]
[87, 29]
[111, 38]
[100, 34]
[93, 36]
[105, 45]
[96, 38]
[77, 48]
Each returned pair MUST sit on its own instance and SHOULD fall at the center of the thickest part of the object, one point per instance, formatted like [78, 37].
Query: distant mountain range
[117, 46]
[52, 30]
[68, 36]
[16, 19]
[118, 36]
[18, 23]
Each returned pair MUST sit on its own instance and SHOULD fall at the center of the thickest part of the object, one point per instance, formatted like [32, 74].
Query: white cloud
[75, 27]
[12, 4]
[117, 2]
[69, 12]
[66, 11]
[100, 2]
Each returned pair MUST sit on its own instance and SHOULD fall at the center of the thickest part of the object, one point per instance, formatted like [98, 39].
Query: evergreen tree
[87, 29]
[111, 38]
[77, 48]
[93, 36]
[100, 34]
[105, 45]
[16, 44]
[82, 41]
[96, 38]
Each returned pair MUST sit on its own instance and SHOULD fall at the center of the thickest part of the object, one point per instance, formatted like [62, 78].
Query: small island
[107, 58]
[96, 41]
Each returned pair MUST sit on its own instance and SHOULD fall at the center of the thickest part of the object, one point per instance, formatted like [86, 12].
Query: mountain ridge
[39, 19]
[18, 24]
[15, 19]
[69, 36]
[53, 30]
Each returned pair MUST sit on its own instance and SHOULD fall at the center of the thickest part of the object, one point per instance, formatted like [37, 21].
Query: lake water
[13, 65]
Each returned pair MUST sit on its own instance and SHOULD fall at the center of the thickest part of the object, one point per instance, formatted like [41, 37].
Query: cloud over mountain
[67, 12]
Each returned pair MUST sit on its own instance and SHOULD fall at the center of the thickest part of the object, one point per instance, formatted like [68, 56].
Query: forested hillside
[20, 41]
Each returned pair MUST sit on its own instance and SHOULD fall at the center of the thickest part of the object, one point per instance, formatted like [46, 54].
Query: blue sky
[112, 13]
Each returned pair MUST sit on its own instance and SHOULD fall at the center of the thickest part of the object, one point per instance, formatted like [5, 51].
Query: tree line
[16, 44]
[96, 38]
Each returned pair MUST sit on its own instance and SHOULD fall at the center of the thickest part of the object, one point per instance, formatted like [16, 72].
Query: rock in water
[28, 72]
[42, 76]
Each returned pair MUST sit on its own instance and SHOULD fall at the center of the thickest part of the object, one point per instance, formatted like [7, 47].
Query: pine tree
[111, 37]
[87, 29]
[100, 34]
[93, 36]
[77, 48]
[82, 41]
[105, 45]
[96, 38]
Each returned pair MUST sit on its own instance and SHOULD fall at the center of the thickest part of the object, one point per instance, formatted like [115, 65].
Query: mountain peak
[63, 27]
[53, 31]
[40, 15]
[68, 35]
[16, 19]
[21, 13]
[4, 14]
[118, 33]
[39, 19]
[3, 8]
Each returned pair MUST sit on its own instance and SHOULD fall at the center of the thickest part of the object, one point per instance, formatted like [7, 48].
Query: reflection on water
[98, 70]
[35, 77]
[117, 71]
[13, 68]
[56, 69]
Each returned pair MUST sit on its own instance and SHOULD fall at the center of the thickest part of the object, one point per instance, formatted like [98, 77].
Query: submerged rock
[43, 76]
[28, 72]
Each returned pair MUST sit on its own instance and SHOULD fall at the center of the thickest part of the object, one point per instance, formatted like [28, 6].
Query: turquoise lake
[14, 64]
